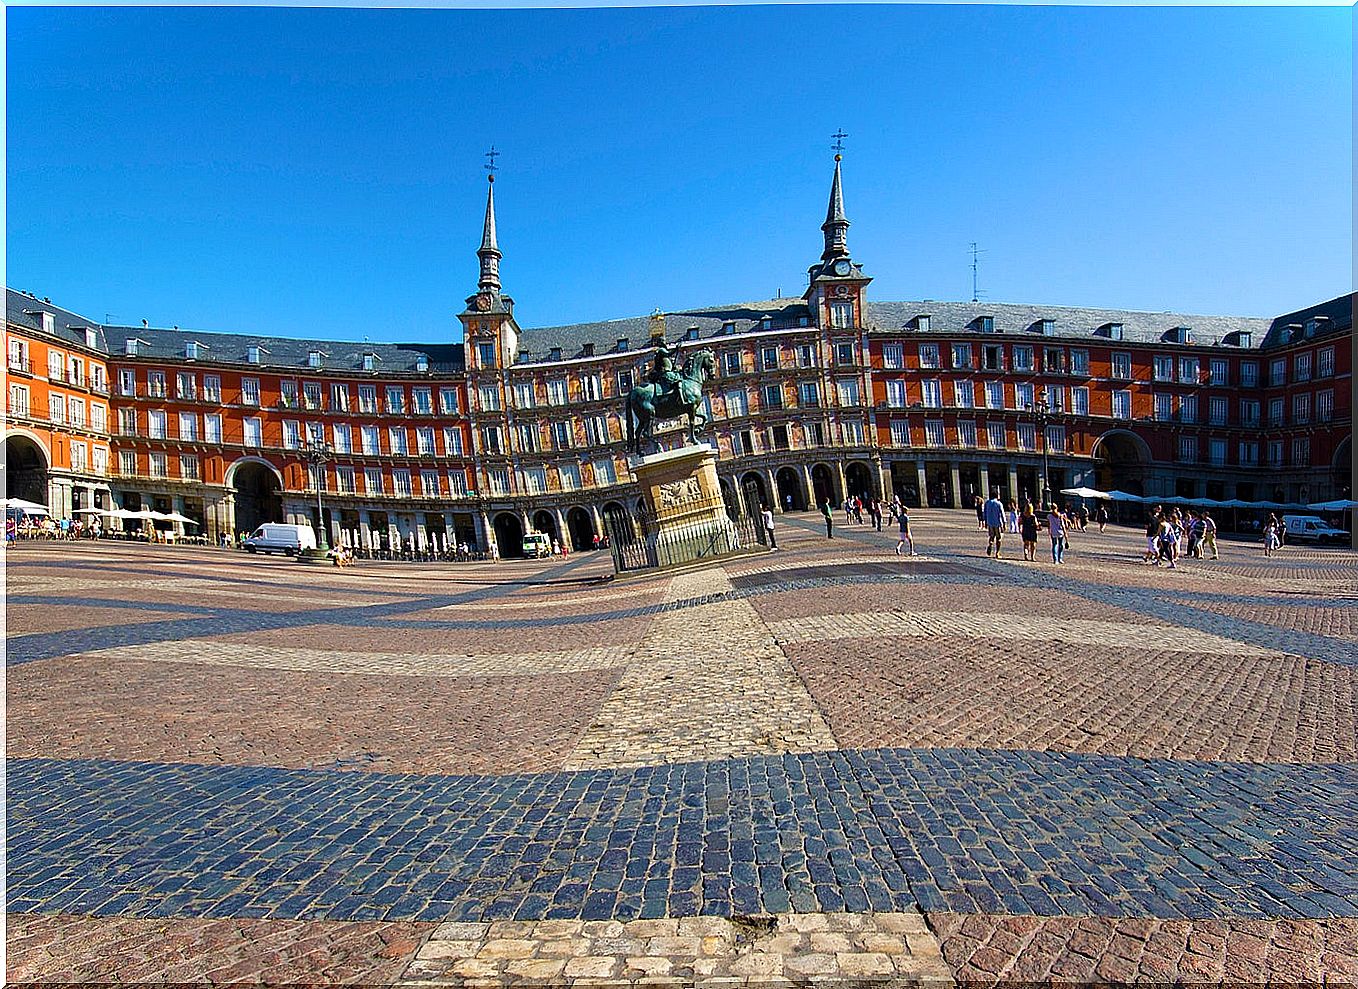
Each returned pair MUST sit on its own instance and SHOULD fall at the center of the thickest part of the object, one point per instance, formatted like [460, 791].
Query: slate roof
[22, 310]
[1291, 327]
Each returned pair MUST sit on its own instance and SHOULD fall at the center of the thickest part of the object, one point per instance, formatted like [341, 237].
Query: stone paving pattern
[239, 769]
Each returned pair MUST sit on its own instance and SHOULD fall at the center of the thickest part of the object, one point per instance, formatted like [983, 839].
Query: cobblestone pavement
[827, 764]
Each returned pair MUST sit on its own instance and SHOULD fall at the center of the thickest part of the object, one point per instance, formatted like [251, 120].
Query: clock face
[483, 302]
[841, 267]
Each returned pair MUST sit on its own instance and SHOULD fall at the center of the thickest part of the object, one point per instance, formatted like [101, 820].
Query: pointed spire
[489, 252]
[836, 226]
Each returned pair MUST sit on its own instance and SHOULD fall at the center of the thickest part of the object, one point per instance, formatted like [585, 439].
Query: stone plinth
[681, 489]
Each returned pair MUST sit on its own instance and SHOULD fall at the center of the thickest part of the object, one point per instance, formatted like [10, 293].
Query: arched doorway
[754, 493]
[508, 534]
[618, 522]
[858, 478]
[259, 497]
[1120, 460]
[1342, 478]
[823, 480]
[25, 469]
[728, 495]
[791, 493]
[581, 529]
[545, 521]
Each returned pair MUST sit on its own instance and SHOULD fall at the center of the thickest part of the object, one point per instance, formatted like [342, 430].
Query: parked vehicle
[1312, 529]
[536, 545]
[281, 537]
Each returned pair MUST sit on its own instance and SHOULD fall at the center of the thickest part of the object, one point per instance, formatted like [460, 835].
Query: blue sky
[318, 171]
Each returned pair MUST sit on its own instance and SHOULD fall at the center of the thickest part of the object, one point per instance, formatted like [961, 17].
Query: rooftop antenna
[975, 272]
[490, 165]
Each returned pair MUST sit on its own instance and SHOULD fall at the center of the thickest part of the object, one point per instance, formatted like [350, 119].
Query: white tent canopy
[1084, 493]
[28, 507]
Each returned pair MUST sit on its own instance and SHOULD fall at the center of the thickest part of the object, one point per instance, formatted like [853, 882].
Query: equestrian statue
[669, 394]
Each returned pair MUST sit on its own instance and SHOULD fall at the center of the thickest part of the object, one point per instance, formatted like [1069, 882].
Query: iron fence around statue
[637, 541]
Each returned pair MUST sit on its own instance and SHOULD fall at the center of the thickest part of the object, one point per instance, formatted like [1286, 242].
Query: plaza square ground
[825, 763]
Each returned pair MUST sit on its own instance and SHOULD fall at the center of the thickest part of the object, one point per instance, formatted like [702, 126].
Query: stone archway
[826, 488]
[508, 534]
[754, 493]
[1120, 461]
[25, 469]
[858, 477]
[581, 529]
[259, 494]
[791, 492]
[544, 521]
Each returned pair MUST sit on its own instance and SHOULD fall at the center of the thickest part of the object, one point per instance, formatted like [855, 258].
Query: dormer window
[766, 322]
[1310, 330]
[803, 321]
[554, 354]
[1244, 339]
[1048, 327]
[587, 350]
[624, 345]
[130, 346]
[523, 357]
[728, 327]
[1114, 331]
[91, 337]
[369, 362]
[252, 355]
[1179, 334]
[422, 363]
[313, 358]
[691, 333]
[191, 350]
[923, 322]
[49, 322]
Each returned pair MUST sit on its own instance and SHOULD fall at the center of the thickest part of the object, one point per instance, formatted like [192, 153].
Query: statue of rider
[663, 373]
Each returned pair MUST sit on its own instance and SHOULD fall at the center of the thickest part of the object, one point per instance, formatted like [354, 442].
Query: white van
[281, 537]
[1312, 529]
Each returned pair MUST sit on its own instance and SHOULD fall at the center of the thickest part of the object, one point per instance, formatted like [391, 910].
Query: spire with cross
[490, 165]
[838, 146]
[490, 248]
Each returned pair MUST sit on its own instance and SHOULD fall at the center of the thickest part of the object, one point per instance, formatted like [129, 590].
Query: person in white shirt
[766, 518]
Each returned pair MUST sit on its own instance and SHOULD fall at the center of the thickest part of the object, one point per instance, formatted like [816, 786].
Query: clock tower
[491, 336]
[836, 291]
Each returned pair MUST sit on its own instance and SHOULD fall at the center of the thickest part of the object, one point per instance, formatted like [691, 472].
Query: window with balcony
[1055, 396]
[452, 441]
[1164, 406]
[127, 463]
[963, 394]
[730, 362]
[485, 354]
[523, 394]
[18, 356]
[591, 387]
[249, 391]
[1325, 405]
[815, 433]
[287, 394]
[370, 441]
[396, 400]
[1219, 372]
[1162, 368]
[56, 365]
[1301, 451]
[1054, 360]
[100, 460]
[18, 401]
[604, 473]
[1248, 452]
[1023, 358]
[1325, 362]
[900, 432]
[341, 438]
[1188, 449]
[996, 436]
[992, 357]
[311, 396]
[155, 424]
[596, 431]
[772, 397]
[1277, 371]
[127, 382]
[186, 385]
[928, 355]
[1122, 366]
[1275, 411]
[160, 465]
[1079, 401]
[188, 427]
[563, 434]
[1249, 412]
[736, 404]
[768, 358]
[400, 482]
[372, 480]
[188, 467]
[1301, 409]
[1189, 371]
[557, 391]
[1122, 404]
[155, 384]
[961, 356]
[847, 391]
[841, 315]
[1188, 408]
[1275, 453]
[252, 432]
[844, 352]
[893, 355]
[212, 388]
[344, 479]
[1055, 438]
[457, 484]
[853, 432]
[1218, 407]
[808, 394]
[778, 437]
[424, 441]
[966, 433]
[806, 355]
[1301, 367]
[212, 427]
[895, 394]
[292, 434]
[449, 403]
[528, 437]
[933, 433]
[1079, 362]
[367, 399]
[1216, 451]
[489, 396]
[76, 408]
[931, 393]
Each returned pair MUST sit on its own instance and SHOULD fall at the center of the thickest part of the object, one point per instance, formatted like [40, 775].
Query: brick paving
[224, 768]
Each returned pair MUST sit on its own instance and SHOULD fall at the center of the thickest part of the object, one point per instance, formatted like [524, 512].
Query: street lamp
[1042, 413]
[317, 456]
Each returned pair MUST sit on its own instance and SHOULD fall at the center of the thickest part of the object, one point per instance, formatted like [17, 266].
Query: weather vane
[839, 137]
[490, 165]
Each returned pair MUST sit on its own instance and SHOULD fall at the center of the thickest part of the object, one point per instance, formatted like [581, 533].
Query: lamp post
[317, 456]
[1042, 413]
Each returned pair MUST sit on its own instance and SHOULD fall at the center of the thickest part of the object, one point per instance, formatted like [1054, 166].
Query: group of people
[1173, 534]
[1026, 522]
[46, 527]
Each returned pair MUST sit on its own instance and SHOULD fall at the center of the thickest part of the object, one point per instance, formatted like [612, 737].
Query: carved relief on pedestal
[682, 492]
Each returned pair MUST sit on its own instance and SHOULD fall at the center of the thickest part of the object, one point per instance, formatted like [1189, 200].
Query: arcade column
[955, 479]
[923, 484]
[1013, 482]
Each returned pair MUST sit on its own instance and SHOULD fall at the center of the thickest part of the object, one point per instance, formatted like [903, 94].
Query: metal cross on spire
[490, 165]
[838, 146]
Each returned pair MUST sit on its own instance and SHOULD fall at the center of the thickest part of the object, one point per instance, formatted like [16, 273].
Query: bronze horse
[647, 403]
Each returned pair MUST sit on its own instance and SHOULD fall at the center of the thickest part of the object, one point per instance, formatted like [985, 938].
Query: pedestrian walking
[1011, 517]
[992, 514]
[766, 517]
[829, 519]
[1209, 534]
[1028, 532]
[1101, 517]
[903, 520]
[980, 513]
[1056, 528]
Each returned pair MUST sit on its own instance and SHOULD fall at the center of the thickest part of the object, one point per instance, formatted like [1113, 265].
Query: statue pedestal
[688, 519]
